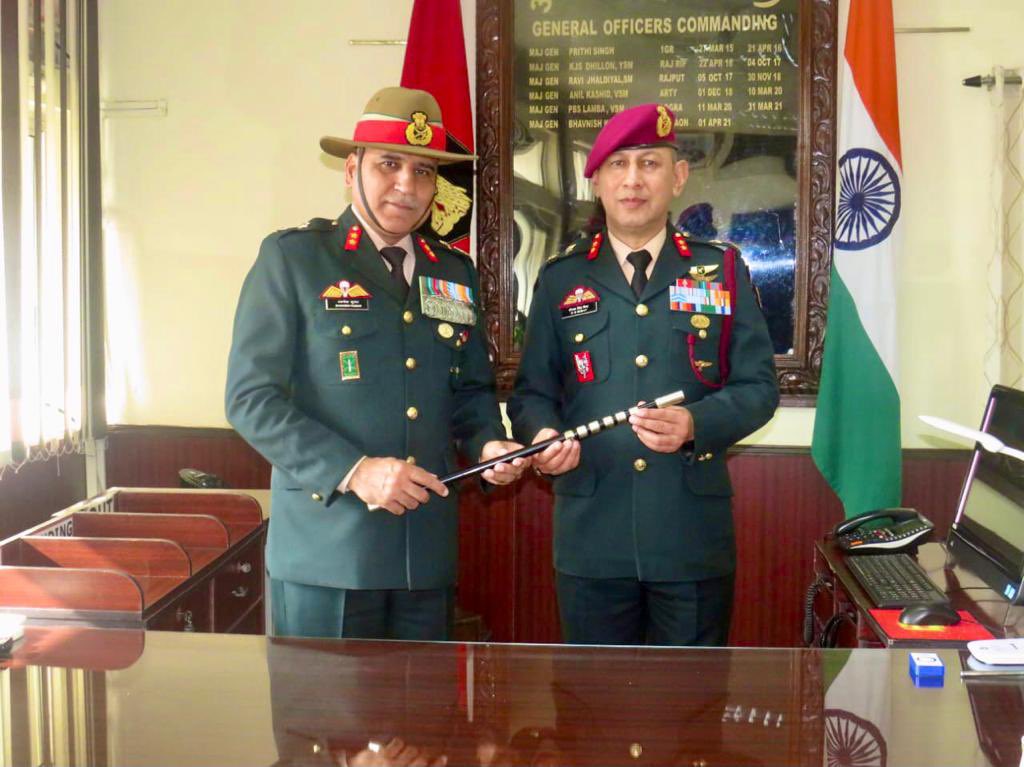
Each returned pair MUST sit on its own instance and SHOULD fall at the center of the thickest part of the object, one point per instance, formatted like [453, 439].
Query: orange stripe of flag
[871, 54]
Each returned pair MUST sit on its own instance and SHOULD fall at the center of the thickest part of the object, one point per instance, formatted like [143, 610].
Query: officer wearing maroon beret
[358, 368]
[644, 544]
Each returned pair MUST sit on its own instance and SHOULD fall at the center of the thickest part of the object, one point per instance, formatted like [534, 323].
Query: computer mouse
[933, 614]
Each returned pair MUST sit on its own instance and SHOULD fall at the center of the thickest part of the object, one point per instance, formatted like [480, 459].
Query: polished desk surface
[121, 697]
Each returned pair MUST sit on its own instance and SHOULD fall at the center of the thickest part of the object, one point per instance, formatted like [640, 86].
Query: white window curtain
[1004, 358]
[41, 348]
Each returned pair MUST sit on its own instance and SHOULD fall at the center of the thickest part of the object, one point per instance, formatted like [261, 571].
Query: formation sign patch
[346, 296]
[349, 364]
[579, 301]
[693, 296]
[584, 367]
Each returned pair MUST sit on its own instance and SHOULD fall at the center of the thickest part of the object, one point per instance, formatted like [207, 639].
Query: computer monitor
[987, 536]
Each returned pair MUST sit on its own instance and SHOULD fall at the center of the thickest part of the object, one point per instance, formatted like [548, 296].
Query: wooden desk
[842, 595]
[128, 697]
[179, 560]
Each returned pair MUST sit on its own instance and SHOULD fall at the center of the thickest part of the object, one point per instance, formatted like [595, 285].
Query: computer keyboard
[894, 580]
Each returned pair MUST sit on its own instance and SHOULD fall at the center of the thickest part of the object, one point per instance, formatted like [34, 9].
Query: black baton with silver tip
[580, 432]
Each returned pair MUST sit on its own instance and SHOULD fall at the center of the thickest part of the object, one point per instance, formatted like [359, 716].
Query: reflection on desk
[123, 697]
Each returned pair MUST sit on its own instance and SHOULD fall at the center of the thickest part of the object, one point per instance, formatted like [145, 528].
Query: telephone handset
[906, 529]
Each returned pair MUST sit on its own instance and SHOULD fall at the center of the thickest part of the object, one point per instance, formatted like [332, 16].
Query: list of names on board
[579, 62]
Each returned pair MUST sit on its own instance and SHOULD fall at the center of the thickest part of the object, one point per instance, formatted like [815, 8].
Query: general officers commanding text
[656, 25]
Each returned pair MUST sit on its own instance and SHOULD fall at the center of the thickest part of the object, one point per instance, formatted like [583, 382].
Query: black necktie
[395, 257]
[639, 259]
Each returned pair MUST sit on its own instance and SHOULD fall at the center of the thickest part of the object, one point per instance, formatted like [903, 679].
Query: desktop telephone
[906, 529]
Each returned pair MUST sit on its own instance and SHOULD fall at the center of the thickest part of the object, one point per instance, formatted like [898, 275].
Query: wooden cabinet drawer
[192, 612]
[238, 585]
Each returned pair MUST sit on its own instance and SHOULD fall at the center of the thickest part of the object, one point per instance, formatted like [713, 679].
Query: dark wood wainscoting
[37, 490]
[782, 505]
[151, 456]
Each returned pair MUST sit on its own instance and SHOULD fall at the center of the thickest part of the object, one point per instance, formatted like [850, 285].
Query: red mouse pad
[966, 630]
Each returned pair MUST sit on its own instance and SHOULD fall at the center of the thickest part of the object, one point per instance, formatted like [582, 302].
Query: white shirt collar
[405, 243]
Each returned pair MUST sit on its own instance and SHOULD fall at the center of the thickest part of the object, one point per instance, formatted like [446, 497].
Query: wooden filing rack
[177, 560]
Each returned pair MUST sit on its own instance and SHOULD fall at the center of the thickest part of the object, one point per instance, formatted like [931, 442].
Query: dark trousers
[301, 610]
[626, 611]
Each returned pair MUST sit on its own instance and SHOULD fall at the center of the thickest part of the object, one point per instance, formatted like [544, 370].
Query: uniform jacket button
[411, 460]
[410, 363]
[642, 310]
[346, 330]
[317, 497]
[640, 464]
[407, 317]
[641, 360]
[412, 413]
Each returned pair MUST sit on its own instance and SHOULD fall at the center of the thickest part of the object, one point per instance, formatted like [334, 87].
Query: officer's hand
[502, 473]
[393, 484]
[663, 430]
[558, 458]
[397, 754]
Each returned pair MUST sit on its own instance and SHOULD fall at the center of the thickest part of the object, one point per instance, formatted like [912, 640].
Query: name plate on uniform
[448, 301]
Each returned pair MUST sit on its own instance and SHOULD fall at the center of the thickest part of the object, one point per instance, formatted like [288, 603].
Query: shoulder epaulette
[580, 245]
[314, 225]
[320, 224]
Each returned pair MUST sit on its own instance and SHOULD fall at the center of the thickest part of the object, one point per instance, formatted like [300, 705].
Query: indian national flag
[856, 443]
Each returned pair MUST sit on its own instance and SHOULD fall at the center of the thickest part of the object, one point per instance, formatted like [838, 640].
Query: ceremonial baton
[586, 430]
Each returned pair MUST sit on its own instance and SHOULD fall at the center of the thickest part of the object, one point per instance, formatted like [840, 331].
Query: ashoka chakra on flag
[869, 199]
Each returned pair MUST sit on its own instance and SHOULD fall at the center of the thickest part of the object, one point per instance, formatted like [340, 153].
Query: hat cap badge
[664, 126]
[418, 132]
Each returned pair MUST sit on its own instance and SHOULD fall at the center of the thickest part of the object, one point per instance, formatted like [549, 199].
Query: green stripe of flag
[856, 443]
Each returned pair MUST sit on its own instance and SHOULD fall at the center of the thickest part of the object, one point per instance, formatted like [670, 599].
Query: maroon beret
[645, 125]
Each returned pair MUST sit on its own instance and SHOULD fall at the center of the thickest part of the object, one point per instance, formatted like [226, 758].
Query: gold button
[412, 414]
[458, 344]
[641, 360]
[578, 338]
[407, 317]
[642, 310]
[445, 330]
[640, 464]
[702, 333]
[346, 330]
[317, 497]
[411, 460]
[410, 363]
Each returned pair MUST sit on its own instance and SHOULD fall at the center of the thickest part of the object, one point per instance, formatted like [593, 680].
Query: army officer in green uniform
[644, 547]
[358, 367]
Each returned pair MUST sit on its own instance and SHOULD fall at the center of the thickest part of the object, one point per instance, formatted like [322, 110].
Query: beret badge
[664, 126]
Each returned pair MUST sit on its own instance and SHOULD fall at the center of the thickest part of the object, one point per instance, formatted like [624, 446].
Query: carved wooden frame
[799, 371]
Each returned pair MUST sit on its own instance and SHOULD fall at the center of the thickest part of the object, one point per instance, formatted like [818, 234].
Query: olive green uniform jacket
[314, 389]
[626, 510]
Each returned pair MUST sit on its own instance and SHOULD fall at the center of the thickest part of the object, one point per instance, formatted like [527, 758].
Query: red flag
[435, 61]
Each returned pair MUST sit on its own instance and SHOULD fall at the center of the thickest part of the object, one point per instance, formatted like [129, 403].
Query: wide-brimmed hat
[402, 120]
